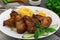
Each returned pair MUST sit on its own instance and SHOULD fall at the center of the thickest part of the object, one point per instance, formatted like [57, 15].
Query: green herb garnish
[36, 35]
[37, 25]
[42, 31]
[54, 5]
[49, 30]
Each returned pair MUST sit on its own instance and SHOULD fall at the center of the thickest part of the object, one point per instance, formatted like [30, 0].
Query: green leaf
[58, 7]
[43, 33]
[36, 34]
[4, 1]
[37, 25]
[49, 30]
[54, 5]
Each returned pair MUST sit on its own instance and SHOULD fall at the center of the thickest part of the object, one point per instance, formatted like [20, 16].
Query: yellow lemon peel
[41, 13]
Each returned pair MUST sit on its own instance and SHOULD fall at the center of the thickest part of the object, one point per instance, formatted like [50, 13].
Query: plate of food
[29, 22]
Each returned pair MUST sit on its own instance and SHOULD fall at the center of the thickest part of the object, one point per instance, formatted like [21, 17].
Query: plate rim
[30, 38]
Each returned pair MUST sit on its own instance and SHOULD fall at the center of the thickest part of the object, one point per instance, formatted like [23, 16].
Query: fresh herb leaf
[36, 35]
[4, 2]
[54, 5]
[50, 30]
[37, 25]
[43, 31]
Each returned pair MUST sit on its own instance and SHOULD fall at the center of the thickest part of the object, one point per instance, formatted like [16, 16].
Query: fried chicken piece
[20, 25]
[38, 18]
[44, 21]
[35, 18]
[13, 14]
[9, 23]
[30, 24]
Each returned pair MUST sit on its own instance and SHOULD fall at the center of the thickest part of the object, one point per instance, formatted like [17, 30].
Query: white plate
[7, 31]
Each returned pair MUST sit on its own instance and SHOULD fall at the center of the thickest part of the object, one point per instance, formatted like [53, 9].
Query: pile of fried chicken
[26, 23]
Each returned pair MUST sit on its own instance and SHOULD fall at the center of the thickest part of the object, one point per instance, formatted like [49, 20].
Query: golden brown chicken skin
[9, 23]
[13, 14]
[44, 21]
[38, 18]
[30, 24]
[20, 25]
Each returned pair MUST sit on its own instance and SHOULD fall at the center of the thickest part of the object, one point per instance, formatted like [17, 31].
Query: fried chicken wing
[30, 24]
[13, 14]
[44, 21]
[38, 18]
[9, 23]
[20, 25]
